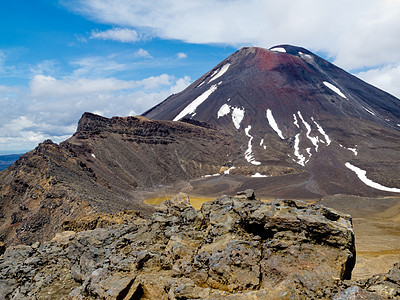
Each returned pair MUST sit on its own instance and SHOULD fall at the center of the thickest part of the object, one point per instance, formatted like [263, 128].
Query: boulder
[386, 285]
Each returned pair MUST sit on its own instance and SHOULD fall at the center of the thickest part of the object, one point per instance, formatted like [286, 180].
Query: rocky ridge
[100, 169]
[233, 248]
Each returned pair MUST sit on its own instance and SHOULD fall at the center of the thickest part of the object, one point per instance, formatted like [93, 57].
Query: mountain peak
[293, 108]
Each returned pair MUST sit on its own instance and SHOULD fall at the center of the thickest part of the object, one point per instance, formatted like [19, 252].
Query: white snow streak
[335, 89]
[362, 175]
[190, 109]
[314, 140]
[370, 111]
[261, 142]
[213, 175]
[258, 175]
[273, 124]
[94, 156]
[322, 131]
[301, 159]
[295, 121]
[224, 110]
[220, 72]
[278, 49]
[249, 154]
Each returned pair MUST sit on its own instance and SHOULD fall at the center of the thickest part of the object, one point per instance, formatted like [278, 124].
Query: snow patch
[362, 175]
[213, 175]
[220, 72]
[249, 153]
[370, 111]
[300, 158]
[258, 175]
[398, 125]
[224, 110]
[314, 140]
[354, 150]
[335, 89]
[227, 171]
[237, 116]
[295, 121]
[191, 108]
[261, 142]
[306, 56]
[94, 156]
[278, 49]
[272, 123]
[322, 131]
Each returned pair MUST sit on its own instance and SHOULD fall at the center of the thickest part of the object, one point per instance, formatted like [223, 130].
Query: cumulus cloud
[4, 89]
[181, 55]
[122, 35]
[51, 107]
[386, 78]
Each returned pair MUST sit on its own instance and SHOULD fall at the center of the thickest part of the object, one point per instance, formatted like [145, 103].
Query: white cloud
[386, 78]
[356, 33]
[181, 55]
[81, 38]
[44, 67]
[51, 108]
[143, 53]
[47, 86]
[4, 89]
[122, 35]
[96, 66]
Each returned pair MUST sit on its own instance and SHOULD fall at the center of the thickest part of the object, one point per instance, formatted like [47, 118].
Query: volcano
[282, 121]
[289, 107]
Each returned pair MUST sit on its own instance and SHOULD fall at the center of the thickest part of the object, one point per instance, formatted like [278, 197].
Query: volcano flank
[289, 107]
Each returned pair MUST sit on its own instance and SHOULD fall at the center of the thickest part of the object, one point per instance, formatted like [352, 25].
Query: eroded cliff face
[99, 169]
[233, 248]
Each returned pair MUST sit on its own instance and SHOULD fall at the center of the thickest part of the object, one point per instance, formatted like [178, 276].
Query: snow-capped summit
[293, 108]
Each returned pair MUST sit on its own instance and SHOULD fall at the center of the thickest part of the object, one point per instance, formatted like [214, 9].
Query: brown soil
[376, 224]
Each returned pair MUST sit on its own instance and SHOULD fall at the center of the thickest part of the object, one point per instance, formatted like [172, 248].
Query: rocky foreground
[233, 248]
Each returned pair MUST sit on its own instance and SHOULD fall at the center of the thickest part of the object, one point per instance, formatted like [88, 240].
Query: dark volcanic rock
[99, 169]
[298, 110]
[233, 248]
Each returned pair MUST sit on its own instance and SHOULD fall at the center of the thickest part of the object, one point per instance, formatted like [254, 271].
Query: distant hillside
[8, 160]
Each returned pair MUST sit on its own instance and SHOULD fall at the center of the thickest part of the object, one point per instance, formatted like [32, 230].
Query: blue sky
[59, 59]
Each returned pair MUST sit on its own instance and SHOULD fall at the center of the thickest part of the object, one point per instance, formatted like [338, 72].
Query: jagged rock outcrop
[233, 248]
[386, 285]
[100, 169]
